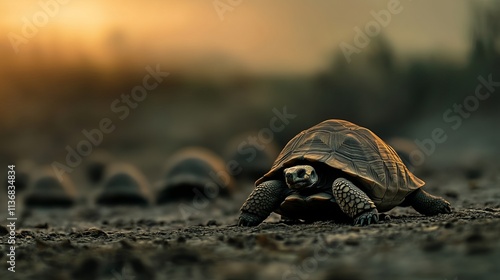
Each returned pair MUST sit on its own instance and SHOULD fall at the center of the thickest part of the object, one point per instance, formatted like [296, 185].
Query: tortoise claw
[367, 218]
[445, 207]
[248, 220]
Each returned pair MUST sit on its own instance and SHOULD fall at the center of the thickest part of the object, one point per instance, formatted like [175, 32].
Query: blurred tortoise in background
[337, 170]
[124, 185]
[45, 190]
[194, 171]
[251, 157]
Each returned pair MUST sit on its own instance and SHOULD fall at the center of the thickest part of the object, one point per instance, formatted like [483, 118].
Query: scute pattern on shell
[354, 150]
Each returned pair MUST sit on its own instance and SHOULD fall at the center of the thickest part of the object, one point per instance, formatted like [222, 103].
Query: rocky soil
[200, 240]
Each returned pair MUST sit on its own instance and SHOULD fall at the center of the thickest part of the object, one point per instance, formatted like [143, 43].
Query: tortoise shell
[125, 185]
[46, 190]
[191, 171]
[357, 152]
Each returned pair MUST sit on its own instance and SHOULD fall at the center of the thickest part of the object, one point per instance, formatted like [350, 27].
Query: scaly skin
[354, 202]
[263, 200]
[427, 204]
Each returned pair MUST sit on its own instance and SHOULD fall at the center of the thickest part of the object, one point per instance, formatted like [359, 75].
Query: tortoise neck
[326, 176]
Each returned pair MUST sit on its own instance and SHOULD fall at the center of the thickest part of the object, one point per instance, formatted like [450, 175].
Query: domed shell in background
[125, 185]
[46, 190]
[192, 171]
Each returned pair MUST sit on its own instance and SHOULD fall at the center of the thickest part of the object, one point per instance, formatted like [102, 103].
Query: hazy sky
[276, 36]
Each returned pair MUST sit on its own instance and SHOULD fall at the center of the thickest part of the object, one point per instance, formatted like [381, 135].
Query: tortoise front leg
[263, 200]
[354, 202]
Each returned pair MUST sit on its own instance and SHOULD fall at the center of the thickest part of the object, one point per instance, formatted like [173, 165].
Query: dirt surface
[199, 240]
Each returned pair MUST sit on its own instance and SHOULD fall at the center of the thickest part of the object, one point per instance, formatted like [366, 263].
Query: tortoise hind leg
[427, 204]
[354, 202]
[263, 200]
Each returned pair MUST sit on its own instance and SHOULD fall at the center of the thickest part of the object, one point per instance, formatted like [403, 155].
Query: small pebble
[92, 232]
[212, 223]
[181, 239]
[475, 237]
[352, 242]
[432, 245]
[236, 242]
[95, 232]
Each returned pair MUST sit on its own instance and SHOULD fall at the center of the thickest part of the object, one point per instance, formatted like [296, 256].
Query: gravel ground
[180, 241]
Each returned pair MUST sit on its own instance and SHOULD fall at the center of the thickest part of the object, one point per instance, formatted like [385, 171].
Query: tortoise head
[300, 177]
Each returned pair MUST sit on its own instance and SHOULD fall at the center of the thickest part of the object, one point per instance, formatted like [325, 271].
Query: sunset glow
[259, 35]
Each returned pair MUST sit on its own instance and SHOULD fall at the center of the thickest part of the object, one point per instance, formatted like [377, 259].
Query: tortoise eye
[313, 173]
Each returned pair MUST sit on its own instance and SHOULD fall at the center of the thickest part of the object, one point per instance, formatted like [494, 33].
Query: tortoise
[125, 185]
[341, 171]
[194, 171]
[45, 190]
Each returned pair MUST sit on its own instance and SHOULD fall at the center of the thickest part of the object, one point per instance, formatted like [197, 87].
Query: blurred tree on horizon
[206, 103]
